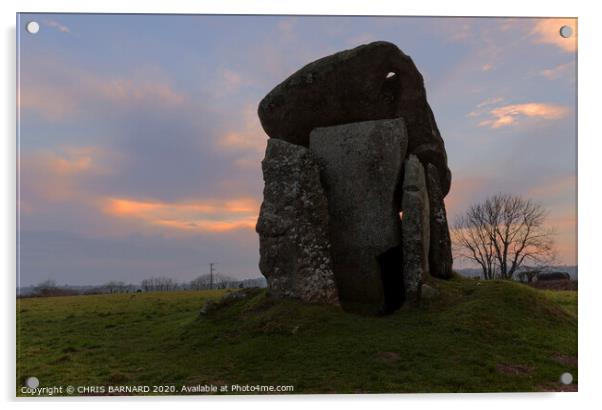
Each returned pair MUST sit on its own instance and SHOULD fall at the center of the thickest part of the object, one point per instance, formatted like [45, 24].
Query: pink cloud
[232, 80]
[53, 176]
[247, 141]
[559, 71]
[561, 186]
[480, 109]
[56, 25]
[547, 31]
[56, 100]
[48, 101]
[511, 114]
[192, 216]
[286, 28]
[564, 223]
[51, 180]
[463, 192]
[128, 91]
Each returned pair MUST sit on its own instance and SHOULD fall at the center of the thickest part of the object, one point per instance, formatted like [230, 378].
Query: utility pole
[211, 274]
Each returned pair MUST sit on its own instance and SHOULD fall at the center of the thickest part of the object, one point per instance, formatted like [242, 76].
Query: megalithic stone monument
[355, 178]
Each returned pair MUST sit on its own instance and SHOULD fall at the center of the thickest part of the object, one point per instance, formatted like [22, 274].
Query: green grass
[565, 298]
[476, 337]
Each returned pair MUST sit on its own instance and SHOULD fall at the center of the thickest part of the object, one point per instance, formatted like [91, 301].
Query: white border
[589, 189]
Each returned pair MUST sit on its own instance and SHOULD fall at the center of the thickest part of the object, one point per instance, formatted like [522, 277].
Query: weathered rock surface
[440, 254]
[293, 226]
[415, 228]
[370, 82]
[361, 167]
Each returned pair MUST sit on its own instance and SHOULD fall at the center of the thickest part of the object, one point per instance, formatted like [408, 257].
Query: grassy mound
[475, 337]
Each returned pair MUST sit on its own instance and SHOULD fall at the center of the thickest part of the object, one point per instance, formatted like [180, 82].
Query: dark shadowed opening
[390, 263]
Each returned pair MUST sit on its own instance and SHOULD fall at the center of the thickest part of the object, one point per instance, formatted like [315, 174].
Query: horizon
[139, 153]
[462, 271]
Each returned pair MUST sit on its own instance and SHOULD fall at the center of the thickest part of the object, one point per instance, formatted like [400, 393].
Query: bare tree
[502, 234]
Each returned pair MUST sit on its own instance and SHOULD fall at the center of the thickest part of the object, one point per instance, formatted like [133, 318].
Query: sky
[140, 147]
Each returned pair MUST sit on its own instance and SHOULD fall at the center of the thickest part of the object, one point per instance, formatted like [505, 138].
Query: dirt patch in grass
[117, 378]
[565, 359]
[62, 359]
[513, 369]
[388, 357]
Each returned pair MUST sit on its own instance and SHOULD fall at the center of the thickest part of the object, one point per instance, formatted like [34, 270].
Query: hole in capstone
[391, 87]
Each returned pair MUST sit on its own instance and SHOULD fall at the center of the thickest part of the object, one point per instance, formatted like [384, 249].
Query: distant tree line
[158, 284]
[49, 288]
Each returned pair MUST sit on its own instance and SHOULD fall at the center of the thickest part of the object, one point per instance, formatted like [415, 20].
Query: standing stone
[293, 226]
[440, 254]
[361, 166]
[370, 82]
[415, 228]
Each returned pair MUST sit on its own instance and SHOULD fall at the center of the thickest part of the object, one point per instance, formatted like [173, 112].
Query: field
[474, 337]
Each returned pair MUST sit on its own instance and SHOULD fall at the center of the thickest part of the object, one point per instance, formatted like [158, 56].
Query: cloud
[558, 187]
[134, 90]
[464, 191]
[286, 28]
[461, 31]
[547, 31]
[239, 141]
[66, 186]
[564, 222]
[508, 23]
[162, 143]
[73, 161]
[54, 176]
[481, 107]
[227, 84]
[195, 216]
[47, 101]
[58, 26]
[232, 80]
[510, 114]
[490, 101]
[562, 70]
[248, 142]
[61, 92]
